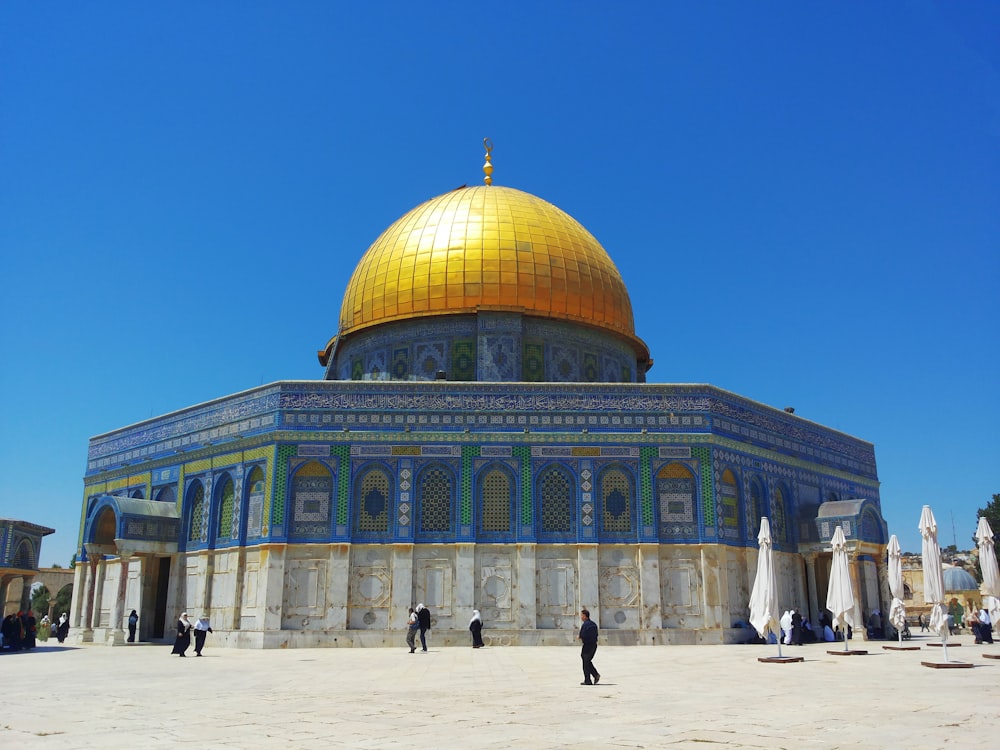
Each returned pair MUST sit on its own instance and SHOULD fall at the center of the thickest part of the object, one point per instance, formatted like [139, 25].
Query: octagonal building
[483, 436]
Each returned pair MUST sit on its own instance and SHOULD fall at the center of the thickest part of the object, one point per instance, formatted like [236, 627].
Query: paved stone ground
[140, 697]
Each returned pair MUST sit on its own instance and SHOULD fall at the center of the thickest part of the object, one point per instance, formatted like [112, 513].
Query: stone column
[525, 605]
[811, 583]
[402, 592]
[340, 570]
[712, 572]
[588, 581]
[650, 612]
[25, 593]
[272, 582]
[102, 572]
[208, 577]
[87, 636]
[116, 630]
[79, 601]
[465, 583]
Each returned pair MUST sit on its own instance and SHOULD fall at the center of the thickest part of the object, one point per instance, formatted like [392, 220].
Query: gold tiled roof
[487, 248]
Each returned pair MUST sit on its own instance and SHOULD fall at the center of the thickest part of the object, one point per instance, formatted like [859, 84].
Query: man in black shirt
[588, 634]
[424, 618]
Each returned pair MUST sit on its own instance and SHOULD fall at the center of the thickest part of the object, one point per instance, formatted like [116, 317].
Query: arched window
[137, 494]
[779, 510]
[226, 498]
[555, 491]
[312, 492]
[371, 503]
[24, 557]
[758, 507]
[196, 517]
[165, 495]
[496, 500]
[676, 493]
[255, 502]
[435, 500]
[729, 498]
[617, 498]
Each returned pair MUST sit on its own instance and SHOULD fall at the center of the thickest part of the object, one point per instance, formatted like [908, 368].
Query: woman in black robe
[476, 628]
[63, 629]
[183, 640]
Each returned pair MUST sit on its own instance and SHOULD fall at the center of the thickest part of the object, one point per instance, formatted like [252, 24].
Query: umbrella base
[901, 648]
[947, 664]
[950, 645]
[991, 656]
[850, 652]
[780, 659]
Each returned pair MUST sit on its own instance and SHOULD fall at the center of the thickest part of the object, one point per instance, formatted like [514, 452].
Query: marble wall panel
[495, 586]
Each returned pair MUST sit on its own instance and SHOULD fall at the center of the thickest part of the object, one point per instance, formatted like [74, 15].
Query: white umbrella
[930, 554]
[897, 612]
[991, 574]
[840, 595]
[764, 597]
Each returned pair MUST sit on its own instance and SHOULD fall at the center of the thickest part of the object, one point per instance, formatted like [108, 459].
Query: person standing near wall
[183, 639]
[412, 626]
[424, 618]
[588, 634]
[202, 628]
[133, 622]
[476, 628]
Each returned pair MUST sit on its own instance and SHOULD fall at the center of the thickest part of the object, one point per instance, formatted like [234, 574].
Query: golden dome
[488, 248]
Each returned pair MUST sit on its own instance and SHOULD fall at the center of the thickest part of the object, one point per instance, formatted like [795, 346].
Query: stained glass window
[495, 494]
[312, 490]
[435, 500]
[730, 499]
[616, 501]
[196, 502]
[372, 502]
[228, 499]
[758, 507]
[556, 492]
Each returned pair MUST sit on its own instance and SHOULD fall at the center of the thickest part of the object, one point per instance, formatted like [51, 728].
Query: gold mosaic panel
[487, 248]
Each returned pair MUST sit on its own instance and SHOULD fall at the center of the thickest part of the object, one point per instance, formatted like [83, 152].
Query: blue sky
[803, 200]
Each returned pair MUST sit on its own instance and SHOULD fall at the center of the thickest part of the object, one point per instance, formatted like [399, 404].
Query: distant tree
[39, 601]
[992, 514]
[63, 599]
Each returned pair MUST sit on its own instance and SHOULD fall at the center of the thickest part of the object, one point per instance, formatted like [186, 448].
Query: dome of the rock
[485, 250]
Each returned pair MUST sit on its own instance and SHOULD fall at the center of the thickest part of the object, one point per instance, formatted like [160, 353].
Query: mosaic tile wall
[489, 347]
[583, 427]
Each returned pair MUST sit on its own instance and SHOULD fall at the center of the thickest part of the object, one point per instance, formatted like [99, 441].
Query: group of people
[980, 624]
[796, 629]
[201, 627]
[21, 631]
[419, 622]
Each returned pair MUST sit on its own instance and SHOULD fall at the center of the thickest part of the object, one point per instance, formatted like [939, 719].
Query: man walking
[424, 618]
[588, 634]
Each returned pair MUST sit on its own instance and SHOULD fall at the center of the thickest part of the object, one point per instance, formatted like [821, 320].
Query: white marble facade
[341, 595]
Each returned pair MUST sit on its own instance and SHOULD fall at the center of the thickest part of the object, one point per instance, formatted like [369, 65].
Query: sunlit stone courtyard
[527, 697]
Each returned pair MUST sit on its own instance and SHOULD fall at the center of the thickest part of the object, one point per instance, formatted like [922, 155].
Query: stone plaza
[526, 697]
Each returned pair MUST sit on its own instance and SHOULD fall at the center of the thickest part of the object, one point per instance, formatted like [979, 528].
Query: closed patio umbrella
[991, 574]
[933, 577]
[897, 612]
[764, 597]
[840, 595]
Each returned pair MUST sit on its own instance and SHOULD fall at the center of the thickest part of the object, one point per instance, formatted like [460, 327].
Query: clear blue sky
[803, 199]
